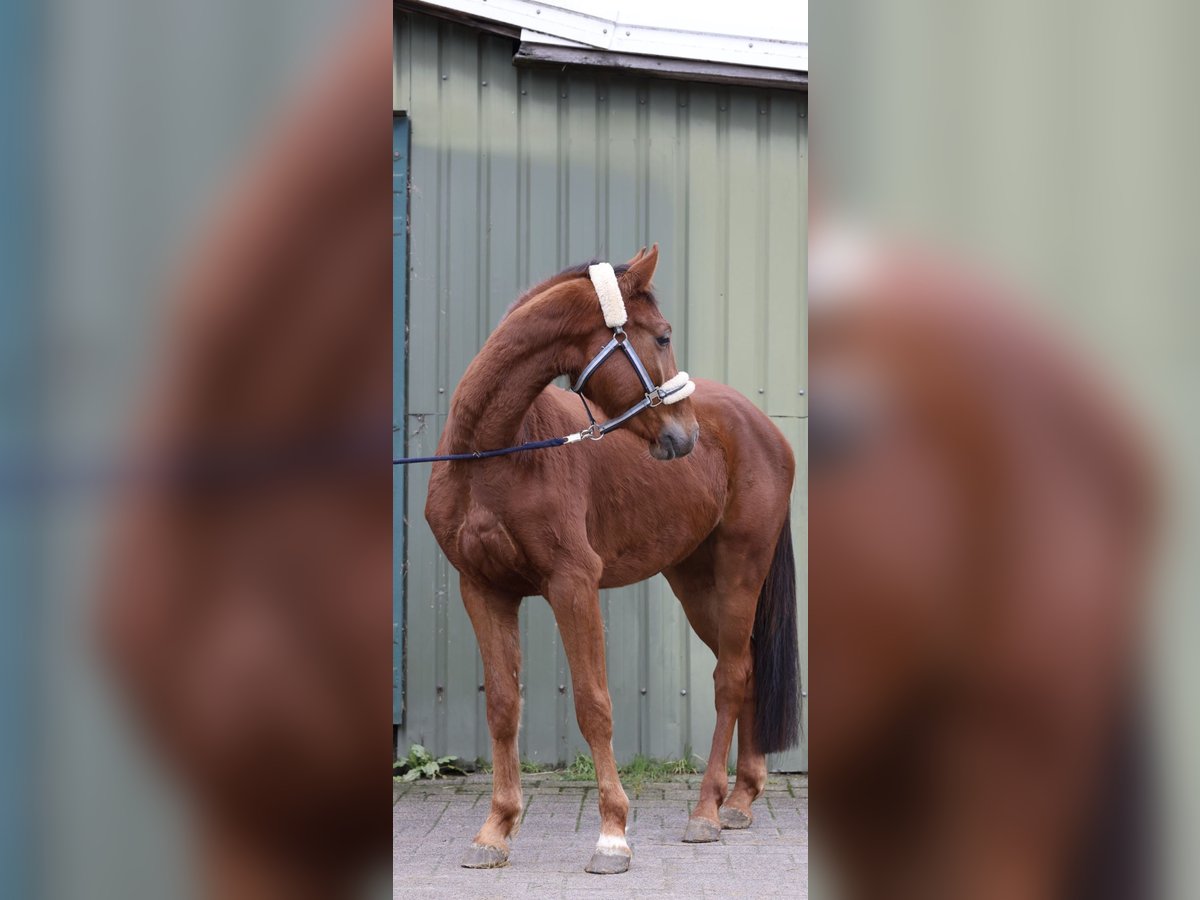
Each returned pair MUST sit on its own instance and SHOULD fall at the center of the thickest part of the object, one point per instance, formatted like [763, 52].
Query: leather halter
[673, 390]
[677, 388]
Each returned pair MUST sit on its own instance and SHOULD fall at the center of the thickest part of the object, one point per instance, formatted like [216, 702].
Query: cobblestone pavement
[433, 823]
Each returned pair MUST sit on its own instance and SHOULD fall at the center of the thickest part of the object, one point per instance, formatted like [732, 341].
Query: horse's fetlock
[615, 799]
[507, 809]
[752, 786]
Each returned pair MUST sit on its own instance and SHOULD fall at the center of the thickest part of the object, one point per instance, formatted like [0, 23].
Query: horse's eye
[664, 340]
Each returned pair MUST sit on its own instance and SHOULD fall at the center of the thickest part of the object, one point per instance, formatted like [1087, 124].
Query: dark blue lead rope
[481, 454]
[28, 480]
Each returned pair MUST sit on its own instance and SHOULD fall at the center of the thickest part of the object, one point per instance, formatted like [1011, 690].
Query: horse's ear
[641, 270]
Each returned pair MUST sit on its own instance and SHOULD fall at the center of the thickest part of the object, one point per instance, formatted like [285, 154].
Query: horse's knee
[593, 711]
[504, 716]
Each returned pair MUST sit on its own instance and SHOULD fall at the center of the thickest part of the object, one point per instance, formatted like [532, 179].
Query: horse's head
[671, 429]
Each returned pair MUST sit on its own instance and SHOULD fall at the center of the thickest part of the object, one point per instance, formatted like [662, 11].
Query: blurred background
[1047, 150]
[124, 122]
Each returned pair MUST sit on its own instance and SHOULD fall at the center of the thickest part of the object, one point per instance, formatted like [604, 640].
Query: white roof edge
[538, 37]
[565, 23]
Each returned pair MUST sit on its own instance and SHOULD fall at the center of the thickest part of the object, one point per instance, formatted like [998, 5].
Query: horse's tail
[777, 652]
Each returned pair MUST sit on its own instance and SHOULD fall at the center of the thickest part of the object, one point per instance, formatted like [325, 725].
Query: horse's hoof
[482, 856]
[734, 818]
[608, 864]
[701, 831]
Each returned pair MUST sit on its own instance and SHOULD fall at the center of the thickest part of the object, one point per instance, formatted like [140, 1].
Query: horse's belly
[623, 572]
[654, 530]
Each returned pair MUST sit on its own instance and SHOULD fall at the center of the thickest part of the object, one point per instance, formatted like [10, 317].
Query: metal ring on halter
[593, 432]
[655, 397]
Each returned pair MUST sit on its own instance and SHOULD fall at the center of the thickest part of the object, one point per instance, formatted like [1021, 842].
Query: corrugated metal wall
[516, 173]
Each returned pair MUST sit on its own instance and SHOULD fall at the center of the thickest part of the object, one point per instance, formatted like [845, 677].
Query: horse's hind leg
[730, 677]
[494, 617]
[693, 583]
[751, 768]
[574, 597]
[719, 592]
[700, 606]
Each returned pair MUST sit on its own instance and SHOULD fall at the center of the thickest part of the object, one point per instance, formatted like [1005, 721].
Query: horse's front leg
[575, 598]
[494, 618]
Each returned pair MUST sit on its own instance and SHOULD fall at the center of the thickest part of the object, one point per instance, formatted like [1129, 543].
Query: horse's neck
[497, 390]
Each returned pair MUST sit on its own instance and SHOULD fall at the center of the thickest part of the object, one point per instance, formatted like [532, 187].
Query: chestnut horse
[697, 490]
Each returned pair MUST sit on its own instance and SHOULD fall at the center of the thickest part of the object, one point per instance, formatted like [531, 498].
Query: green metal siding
[399, 396]
[516, 173]
[24, 374]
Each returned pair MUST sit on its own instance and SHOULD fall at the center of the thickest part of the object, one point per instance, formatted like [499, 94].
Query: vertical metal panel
[20, 519]
[514, 175]
[464, 331]
[399, 394]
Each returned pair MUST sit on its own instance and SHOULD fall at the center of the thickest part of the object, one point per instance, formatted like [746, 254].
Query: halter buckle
[656, 397]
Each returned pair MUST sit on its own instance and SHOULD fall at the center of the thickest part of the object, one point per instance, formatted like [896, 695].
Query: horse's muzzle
[674, 442]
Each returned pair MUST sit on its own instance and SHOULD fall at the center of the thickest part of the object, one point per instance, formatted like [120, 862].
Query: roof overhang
[596, 34]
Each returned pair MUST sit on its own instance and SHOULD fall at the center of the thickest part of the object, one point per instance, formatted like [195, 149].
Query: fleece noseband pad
[678, 388]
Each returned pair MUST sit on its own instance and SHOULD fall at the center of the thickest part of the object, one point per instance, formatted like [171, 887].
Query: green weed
[420, 763]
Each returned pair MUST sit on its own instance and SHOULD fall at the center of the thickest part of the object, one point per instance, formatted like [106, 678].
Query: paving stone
[433, 823]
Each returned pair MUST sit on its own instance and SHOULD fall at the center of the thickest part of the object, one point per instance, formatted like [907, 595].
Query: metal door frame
[400, 155]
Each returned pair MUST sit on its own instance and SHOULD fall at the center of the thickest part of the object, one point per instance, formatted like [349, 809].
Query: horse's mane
[579, 270]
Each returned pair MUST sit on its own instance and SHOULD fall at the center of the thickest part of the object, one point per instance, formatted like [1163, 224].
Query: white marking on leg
[613, 845]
